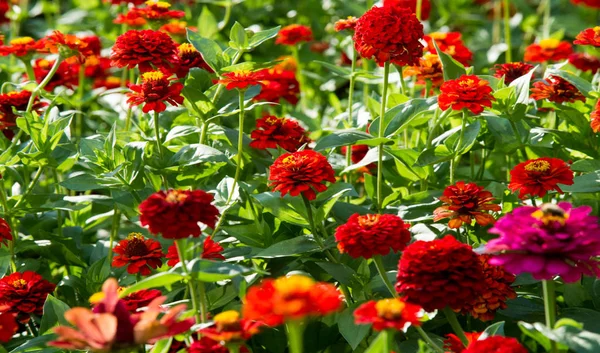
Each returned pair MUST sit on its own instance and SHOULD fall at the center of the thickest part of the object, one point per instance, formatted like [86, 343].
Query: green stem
[550, 308]
[299, 75]
[507, 38]
[29, 70]
[43, 84]
[387, 334]
[128, 118]
[233, 348]
[428, 339]
[79, 104]
[386, 74]
[30, 187]
[350, 123]
[378, 260]
[227, 15]
[546, 23]
[204, 131]
[114, 232]
[453, 321]
[203, 304]
[419, 9]
[180, 245]
[456, 158]
[295, 333]
[159, 147]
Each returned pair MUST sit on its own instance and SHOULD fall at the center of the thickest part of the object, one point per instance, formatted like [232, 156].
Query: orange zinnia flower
[590, 36]
[349, 23]
[466, 92]
[188, 58]
[276, 301]
[463, 202]
[301, 172]
[556, 89]
[21, 47]
[177, 28]
[412, 5]
[24, 294]
[512, 71]
[159, 11]
[450, 43]
[229, 327]
[536, 177]
[240, 79]
[548, 50]
[155, 90]
[67, 45]
[388, 314]
[429, 68]
[132, 18]
[294, 34]
[139, 254]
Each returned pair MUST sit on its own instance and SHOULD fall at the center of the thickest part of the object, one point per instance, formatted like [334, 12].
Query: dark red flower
[512, 71]
[585, 62]
[373, 234]
[159, 11]
[140, 299]
[17, 101]
[536, 177]
[389, 35]
[189, 57]
[67, 74]
[5, 232]
[294, 34]
[464, 202]
[279, 82]
[556, 89]
[175, 214]
[207, 345]
[144, 48]
[8, 326]
[496, 344]
[450, 43]
[240, 79]
[24, 294]
[453, 344]
[428, 68]
[155, 90]
[229, 327]
[93, 44]
[319, 47]
[590, 36]
[466, 92]
[440, 273]
[4, 8]
[211, 250]
[548, 50]
[272, 131]
[595, 118]
[96, 67]
[388, 314]
[132, 18]
[348, 23]
[21, 47]
[301, 173]
[589, 3]
[139, 254]
[412, 5]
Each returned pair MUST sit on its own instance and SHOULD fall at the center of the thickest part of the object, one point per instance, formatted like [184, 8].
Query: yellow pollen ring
[153, 76]
[548, 217]
[161, 4]
[295, 283]
[136, 236]
[228, 317]
[22, 41]
[97, 297]
[549, 43]
[186, 48]
[389, 308]
[175, 196]
[537, 166]
[113, 80]
[466, 83]
[438, 35]
[20, 283]
[368, 220]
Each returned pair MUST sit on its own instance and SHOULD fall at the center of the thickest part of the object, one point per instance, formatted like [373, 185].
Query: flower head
[372, 234]
[496, 344]
[294, 34]
[547, 241]
[68, 45]
[595, 4]
[389, 35]
[412, 5]
[159, 11]
[440, 273]
[17, 101]
[450, 43]
[428, 68]
[548, 50]
[556, 89]
[275, 301]
[139, 254]
[211, 250]
[21, 47]
[536, 177]
[595, 118]
[8, 326]
[512, 71]
[388, 314]
[208, 345]
[67, 74]
[189, 58]
[5, 232]
[145, 49]
[24, 294]
[156, 89]
[272, 131]
[132, 18]
[177, 28]
[228, 326]
[453, 344]
[140, 299]
[301, 173]
[466, 92]
[175, 214]
[346, 24]
[585, 62]
[240, 79]
[590, 36]
[464, 202]
[279, 82]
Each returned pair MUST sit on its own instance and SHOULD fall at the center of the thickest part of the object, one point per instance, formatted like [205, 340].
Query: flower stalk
[180, 244]
[295, 333]
[458, 330]
[386, 74]
[550, 308]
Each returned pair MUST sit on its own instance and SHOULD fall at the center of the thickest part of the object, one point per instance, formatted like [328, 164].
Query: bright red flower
[155, 90]
[145, 49]
[24, 294]
[96, 67]
[512, 71]
[370, 235]
[93, 44]
[589, 3]
[159, 11]
[556, 89]
[109, 82]
[240, 79]
[450, 43]
[389, 35]
[590, 36]
[496, 344]
[8, 326]
[140, 299]
[428, 68]
[279, 82]
[440, 273]
[207, 345]
[175, 214]
[466, 92]
[536, 177]
[229, 327]
[585, 62]
[301, 173]
[189, 57]
[67, 74]
[548, 50]
[412, 5]
[21, 47]
[464, 202]
[132, 18]
[17, 101]
[272, 131]
[68, 45]
[595, 118]
[211, 250]
[119, 2]
[5, 232]
[453, 344]
[275, 301]
[349, 23]
[139, 254]
[388, 314]
[294, 34]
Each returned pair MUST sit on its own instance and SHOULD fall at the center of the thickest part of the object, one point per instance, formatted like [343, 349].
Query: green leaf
[286, 209]
[452, 68]
[379, 344]
[54, 314]
[353, 333]
[291, 247]
[584, 183]
[338, 70]
[342, 138]
[207, 23]
[469, 137]
[162, 346]
[36, 342]
[214, 271]
[533, 331]
[586, 165]
[4, 261]
[521, 86]
[582, 85]
[262, 36]
[578, 340]
[238, 37]
[399, 118]
[210, 50]
[161, 279]
[434, 155]
[496, 329]
[340, 272]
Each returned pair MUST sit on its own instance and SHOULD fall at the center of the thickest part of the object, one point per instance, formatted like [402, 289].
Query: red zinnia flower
[67, 74]
[139, 254]
[412, 5]
[595, 118]
[144, 48]
[24, 294]
[536, 177]
[590, 3]
[590, 36]
[349, 23]
[585, 62]
[453, 344]
[301, 173]
[279, 82]
[140, 299]
[388, 35]
[272, 131]
[440, 273]
[294, 34]
[450, 43]
[17, 101]
[68, 45]
[21, 47]
[109, 82]
[556, 89]
[463, 202]
[496, 344]
[372, 234]
[275, 301]
[175, 214]
[211, 250]
[548, 50]
[240, 79]
[512, 71]
[208, 345]
[132, 18]
[189, 57]
[5, 232]
[428, 68]
[466, 92]
[388, 314]
[8, 326]
[4, 8]
[159, 11]
[155, 90]
[228, 327]
[96, 67]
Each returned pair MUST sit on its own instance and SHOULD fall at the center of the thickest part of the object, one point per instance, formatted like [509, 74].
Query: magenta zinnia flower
[547, 241]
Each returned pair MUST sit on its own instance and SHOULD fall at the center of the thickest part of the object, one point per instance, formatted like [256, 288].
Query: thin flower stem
[519, 139]
[114, 232]
[227, 16]
[43, 84]
[546, 22]
[387, 334]
[428, 339]
[295, 333]
[29, 70]
[180, 245]
[299, 75]
[419, 10]
[350, 107]
[381, 269]
[79, 104]
[456, 158]
[507, 38]
[159, 147]
[458, 330]
[550, 308]
[30, 187]
[386, 74]
[233, 348]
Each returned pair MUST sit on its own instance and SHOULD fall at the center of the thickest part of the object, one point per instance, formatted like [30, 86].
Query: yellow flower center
[368, 220]
[537, 166]
[551, 213]
[549, 43]
[160, 4]
[135, 236]
[153, 76]
[186, 48]
[112, 80]
[466, 83]
[22, 41]
[272, 121]
[20, 283]
[597, 30]
[97, 297]
[44, 64]
[12, 94]
[293, 284]
[226, 318]
[175, 196]
[389, 309]
[92, 61]
[438, 35]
